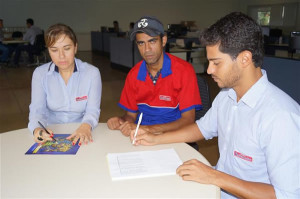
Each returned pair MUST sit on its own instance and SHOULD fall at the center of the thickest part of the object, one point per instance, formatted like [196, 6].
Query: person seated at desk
[162, 87]
[64, 90]
[257, 124]
[4, 49]
[29, 36]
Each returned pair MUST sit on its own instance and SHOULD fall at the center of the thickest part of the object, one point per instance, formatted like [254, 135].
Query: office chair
[294, 44]
[39, 50]
[205, 98]
[206, 104]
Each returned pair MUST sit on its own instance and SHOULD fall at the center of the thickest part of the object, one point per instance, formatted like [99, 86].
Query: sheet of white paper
[143, 164]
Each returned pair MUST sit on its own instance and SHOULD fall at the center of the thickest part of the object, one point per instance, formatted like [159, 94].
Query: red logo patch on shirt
[165, 98]
[242, 156]
[81, 98]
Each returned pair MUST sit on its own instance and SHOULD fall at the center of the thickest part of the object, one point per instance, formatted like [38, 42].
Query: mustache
[148, 53]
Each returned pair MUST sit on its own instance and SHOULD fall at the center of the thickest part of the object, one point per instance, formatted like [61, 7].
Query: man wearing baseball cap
[162, 87]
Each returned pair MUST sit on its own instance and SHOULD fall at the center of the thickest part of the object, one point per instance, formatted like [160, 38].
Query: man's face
[151, 48]
[222, 68]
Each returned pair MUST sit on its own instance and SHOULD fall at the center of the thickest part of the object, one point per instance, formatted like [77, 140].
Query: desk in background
[14, 42]
[101, 41]
[284, 73]
[86, 174]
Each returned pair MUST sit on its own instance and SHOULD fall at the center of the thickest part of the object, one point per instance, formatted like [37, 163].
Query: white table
[86, 174]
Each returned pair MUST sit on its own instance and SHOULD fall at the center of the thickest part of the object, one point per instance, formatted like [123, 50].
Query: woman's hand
[41, 136]
[83, 134]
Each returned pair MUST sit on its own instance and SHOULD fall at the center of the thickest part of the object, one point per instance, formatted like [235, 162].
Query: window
[280, 15]
[263, 18]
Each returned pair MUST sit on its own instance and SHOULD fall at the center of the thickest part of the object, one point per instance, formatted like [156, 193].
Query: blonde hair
[55, 31]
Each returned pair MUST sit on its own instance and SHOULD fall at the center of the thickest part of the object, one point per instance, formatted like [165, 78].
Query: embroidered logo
[242, 156]
[81, 98]
[165, 98]
[143, 23]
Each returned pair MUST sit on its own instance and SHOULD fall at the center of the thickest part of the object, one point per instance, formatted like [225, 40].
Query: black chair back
[205, 98]
[39, 44]
[206, 104]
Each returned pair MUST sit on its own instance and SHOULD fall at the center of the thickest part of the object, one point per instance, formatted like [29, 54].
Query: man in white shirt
[257, 124]
[29, 36]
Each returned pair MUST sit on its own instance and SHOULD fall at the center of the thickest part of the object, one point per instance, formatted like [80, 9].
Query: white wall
[86, 15]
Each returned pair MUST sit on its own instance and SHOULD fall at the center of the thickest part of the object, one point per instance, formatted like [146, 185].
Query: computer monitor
[295, 34]
[275, 32]
[111, 30]
[175, 30]
[103, 29]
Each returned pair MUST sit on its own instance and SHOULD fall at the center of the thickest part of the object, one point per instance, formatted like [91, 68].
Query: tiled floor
[15, 89]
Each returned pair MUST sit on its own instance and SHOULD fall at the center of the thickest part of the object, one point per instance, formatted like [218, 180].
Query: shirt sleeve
[29, 36]
[282, 152]
[92, 112]
[128, 98]
[37, 109]
[208, 124]
[189, 96]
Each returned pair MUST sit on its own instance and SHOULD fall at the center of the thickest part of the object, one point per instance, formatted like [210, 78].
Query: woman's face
[62, 53]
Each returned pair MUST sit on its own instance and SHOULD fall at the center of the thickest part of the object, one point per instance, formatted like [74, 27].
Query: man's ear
[164, 40]
[245, 58]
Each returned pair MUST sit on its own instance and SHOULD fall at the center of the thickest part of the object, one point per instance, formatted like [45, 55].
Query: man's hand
[144, 137]
[114, 123]
[194, 170]
[127, 127]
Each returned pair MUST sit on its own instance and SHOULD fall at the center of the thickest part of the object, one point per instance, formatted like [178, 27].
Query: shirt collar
[252, 96]
[166, 69]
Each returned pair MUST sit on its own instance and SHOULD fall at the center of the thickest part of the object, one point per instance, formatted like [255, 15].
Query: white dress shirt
[259, 136]
[31, 33]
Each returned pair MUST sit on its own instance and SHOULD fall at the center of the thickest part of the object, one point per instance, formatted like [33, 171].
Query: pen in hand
[137, 127]
[46, 130]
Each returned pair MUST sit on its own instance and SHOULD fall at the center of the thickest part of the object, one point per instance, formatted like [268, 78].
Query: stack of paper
[143, 164]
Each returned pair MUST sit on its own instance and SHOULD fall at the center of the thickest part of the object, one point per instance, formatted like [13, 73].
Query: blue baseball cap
[148, 25]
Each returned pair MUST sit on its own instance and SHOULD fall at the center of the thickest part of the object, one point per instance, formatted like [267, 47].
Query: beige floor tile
[13, 121]
[23, 97]
[8, 103]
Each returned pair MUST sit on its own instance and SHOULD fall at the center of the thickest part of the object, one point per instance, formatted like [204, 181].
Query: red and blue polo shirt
[175, 91]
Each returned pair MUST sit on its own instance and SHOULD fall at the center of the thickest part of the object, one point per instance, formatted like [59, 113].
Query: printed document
[143, 164]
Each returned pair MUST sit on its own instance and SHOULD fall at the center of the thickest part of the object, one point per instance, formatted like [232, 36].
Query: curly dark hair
[236, 32]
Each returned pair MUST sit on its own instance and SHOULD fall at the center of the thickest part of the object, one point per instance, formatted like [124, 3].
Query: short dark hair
[235, 33]
[30, 21]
